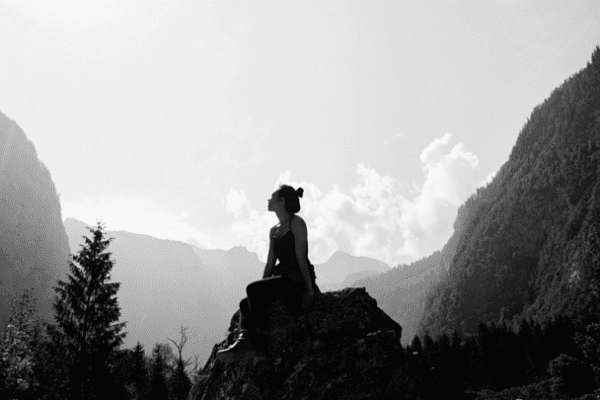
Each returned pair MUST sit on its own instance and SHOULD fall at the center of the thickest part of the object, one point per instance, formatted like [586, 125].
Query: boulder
[344, 347]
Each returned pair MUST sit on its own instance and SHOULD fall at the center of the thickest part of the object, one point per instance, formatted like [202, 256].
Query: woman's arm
[300, 234]
[270, 257]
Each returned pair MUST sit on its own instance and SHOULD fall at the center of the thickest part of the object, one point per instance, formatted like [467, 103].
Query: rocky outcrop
[345, 347]
[34, 248]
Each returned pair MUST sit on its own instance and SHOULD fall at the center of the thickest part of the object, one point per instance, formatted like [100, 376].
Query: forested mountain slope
[529, 245]
[33, 243]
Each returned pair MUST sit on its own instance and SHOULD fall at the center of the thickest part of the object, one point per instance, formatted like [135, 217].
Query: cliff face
[33, 243]
[528, 243]
[345, 347]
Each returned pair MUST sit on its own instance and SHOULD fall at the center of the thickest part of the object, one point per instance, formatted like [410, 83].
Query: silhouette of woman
[292, 279]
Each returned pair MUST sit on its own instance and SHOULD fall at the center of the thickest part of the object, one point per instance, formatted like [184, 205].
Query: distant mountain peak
[239, 255]
[342, 258]
[239, 249]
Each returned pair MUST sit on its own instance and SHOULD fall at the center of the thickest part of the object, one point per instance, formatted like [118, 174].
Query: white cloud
[237, 203]
[374, 219]
[434, 150]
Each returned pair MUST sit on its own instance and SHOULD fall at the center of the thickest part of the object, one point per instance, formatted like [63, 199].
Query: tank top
[285, 252]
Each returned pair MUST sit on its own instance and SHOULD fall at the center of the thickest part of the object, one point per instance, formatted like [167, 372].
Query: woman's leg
[245, 321]
[264, 292]
[253, 313]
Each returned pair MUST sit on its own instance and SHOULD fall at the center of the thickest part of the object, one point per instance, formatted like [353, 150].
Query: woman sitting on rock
[292, 279]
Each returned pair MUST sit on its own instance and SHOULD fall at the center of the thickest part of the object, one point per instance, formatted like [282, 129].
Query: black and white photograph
[299, 200]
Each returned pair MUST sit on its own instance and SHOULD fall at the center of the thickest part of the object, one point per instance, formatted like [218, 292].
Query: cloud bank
[373, 219]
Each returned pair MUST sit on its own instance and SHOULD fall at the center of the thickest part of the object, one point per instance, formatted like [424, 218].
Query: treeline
[80, 354]
[557, 360]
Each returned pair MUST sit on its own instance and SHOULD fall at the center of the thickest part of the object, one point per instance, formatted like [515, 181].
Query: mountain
[145, 263]
[529, 244]
[341, 265]
[345, 347]
[33, 244]
[210, 256]
[233, 271]
[351, 279]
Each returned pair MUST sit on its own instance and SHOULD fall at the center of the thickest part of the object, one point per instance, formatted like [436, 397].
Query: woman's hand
[307, 299]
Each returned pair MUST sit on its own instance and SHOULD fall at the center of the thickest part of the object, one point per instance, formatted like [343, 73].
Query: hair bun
[299, 192]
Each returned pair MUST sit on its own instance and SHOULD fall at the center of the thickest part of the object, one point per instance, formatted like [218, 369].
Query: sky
[178, 119]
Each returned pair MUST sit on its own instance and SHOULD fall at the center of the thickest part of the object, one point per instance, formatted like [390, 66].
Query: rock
[345, 347]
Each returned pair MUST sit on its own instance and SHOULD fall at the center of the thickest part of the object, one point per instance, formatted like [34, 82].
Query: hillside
[529, 243]
[33, 243]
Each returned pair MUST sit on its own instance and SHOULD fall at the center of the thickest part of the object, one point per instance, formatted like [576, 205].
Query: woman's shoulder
[297, 222]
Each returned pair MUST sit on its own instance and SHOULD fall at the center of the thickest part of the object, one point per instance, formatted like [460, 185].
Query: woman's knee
[258, 286]
[244, 303]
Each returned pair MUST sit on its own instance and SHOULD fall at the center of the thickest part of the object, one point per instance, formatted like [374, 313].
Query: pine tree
[86, 313]
[140, 369]
[159, 374]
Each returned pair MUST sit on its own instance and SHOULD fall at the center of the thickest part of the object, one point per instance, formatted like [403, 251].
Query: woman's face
[274, 202]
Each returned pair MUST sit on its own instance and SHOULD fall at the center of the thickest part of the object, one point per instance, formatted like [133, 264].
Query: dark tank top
[285, 252]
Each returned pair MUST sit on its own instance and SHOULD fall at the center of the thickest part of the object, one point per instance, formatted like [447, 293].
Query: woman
[292, 279]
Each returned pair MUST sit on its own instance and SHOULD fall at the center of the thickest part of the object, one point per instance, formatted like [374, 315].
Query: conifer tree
[140, 371]
[86, 313]
[159, 374]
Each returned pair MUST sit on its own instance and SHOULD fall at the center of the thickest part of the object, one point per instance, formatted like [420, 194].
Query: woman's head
[291, 196]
